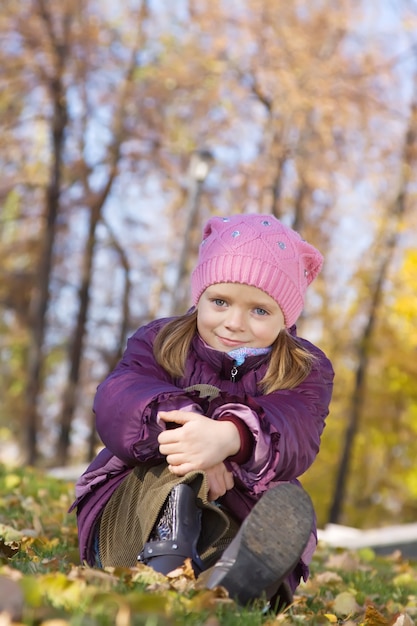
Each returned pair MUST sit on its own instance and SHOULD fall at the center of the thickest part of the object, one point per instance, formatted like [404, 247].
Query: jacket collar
[221, 361]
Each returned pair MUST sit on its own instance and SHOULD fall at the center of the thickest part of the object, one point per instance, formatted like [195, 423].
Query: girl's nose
[235, 319]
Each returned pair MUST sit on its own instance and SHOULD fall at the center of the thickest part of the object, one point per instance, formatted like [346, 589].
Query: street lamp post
[198, 170]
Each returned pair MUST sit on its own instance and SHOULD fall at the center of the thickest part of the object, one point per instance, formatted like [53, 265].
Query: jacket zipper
[233, 373]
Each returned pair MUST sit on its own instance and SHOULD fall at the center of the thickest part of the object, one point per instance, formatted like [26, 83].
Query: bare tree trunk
[76, 348]
[125, 321]
[302, 196]
[358, 395]
[387, 251]
[278, 154]
[40, 299]
[276, 209]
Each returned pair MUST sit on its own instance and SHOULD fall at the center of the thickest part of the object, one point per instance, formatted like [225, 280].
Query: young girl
[209, 419]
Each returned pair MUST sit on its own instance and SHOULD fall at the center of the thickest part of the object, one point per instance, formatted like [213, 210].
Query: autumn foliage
[42, 582]
[309, 110]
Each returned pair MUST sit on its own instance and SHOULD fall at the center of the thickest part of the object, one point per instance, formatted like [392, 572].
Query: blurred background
[125, 125]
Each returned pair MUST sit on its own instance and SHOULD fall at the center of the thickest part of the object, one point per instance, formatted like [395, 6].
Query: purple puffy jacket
[286, 425]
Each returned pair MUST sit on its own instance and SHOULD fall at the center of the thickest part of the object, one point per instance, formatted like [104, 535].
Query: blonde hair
[289, 363]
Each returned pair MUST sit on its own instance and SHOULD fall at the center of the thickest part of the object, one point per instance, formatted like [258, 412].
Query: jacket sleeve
[128, 400]
[287, 426]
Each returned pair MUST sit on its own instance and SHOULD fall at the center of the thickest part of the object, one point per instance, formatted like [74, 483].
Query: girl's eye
[260, 311]
[219, 302]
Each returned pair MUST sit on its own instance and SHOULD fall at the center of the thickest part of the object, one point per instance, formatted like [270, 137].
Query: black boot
[175, 535]
[268, 545]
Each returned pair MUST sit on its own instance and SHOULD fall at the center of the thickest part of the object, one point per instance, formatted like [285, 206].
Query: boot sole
[271, 541]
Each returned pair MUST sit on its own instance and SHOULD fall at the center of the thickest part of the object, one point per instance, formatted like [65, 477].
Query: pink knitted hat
[257, 250]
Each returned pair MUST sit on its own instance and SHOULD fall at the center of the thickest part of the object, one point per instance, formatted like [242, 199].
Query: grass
[42, 582]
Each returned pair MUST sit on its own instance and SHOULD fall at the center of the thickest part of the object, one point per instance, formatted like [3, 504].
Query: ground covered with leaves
[43, 583]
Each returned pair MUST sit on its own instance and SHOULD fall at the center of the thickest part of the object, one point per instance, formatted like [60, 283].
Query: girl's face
[231, 315]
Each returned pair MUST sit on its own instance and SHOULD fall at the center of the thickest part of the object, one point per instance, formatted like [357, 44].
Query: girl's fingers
[180, 470]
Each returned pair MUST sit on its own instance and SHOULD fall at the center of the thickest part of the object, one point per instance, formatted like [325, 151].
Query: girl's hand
[220, 480]
[199, 444]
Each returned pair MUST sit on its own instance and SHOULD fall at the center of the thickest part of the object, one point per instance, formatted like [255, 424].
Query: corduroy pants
[134, 508]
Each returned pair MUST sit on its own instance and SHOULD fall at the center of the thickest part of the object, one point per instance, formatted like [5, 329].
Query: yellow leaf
[11, 481]
[143, 602]
[373, 617]
[332, 618]
[345, 604]
[9, 533]
[366, 554]
[32, 591]
[404, 579]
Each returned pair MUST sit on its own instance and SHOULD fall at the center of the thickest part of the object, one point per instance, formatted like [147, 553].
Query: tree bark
[84, 297]
[40, 298]
[387, 251]
[76, 347]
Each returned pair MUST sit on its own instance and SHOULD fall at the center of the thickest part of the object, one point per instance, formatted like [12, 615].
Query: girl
[209, 419]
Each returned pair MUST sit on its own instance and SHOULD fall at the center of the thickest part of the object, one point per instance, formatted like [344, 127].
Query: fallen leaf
[9, 533]
[144, 602]
[327, 578]
[175, 573]
[396, 556]
[11, 598]
[345, 604]
[366, 554]
[403, 620]
[404, 579]
[209, 598]
[8, 549]
[123, 617]
[373, 617]
[345, 561]
[8, 571]
[11, 481]
[188, 569]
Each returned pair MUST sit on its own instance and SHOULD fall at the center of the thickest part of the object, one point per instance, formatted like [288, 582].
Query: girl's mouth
[231, 343]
